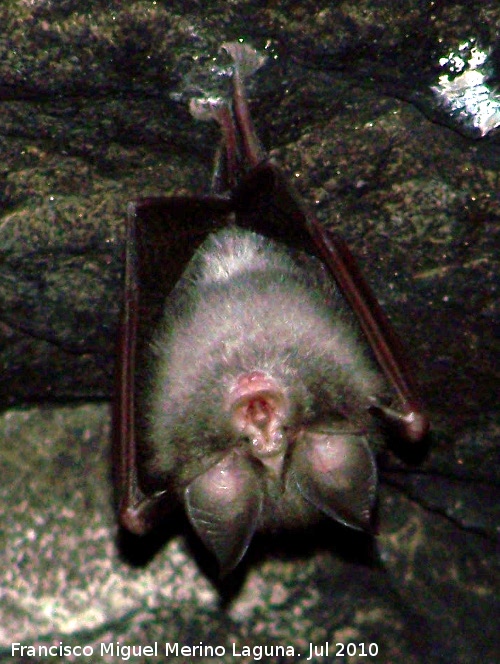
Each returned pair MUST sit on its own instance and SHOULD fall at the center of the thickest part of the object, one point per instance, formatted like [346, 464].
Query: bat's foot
[207, 108]
[246, 59]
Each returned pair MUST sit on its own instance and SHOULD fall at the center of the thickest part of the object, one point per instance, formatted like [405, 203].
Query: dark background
[93, 113]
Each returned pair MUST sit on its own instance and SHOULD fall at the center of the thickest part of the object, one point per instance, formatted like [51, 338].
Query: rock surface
[92, 115]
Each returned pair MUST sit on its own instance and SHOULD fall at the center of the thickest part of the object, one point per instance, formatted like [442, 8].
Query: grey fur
[245, 304]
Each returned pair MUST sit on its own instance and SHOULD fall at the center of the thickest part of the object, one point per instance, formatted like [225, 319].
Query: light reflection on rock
[465, 89]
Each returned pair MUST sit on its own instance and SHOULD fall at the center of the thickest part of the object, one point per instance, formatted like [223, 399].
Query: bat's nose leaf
[224, 506]
[336, 472]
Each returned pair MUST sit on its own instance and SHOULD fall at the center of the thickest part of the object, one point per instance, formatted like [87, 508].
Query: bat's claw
[412, 425]
[247, 60]
[206, 108]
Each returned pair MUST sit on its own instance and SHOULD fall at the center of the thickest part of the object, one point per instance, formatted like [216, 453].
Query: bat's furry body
[245, 305]
[253, 397]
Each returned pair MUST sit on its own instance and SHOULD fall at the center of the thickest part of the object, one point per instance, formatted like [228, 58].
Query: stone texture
[93, 114]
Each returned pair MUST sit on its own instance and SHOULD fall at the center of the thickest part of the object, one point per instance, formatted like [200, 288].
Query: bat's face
[259, 396]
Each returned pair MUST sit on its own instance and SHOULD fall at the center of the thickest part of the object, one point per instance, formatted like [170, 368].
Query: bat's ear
[224, 506]
[336, 472]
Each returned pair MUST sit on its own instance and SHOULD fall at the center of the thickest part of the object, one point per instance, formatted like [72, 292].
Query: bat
[256, 370]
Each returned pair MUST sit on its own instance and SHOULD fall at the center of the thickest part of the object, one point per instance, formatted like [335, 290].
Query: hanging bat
[255, 366]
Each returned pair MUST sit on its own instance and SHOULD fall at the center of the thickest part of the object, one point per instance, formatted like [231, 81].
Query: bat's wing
[162, 236]
[266, 203]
